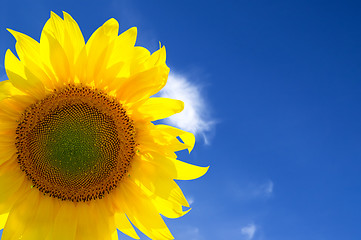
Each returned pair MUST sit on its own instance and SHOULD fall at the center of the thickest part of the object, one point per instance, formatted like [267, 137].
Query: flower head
[79, 154]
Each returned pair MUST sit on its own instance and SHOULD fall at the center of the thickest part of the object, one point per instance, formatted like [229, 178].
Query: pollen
[75, 144]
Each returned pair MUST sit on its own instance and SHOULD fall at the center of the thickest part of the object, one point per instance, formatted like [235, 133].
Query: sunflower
[80, 156]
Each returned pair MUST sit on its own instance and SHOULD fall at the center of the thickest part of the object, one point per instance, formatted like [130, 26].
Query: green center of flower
[76, 144]
[72, 146]
[77, 139]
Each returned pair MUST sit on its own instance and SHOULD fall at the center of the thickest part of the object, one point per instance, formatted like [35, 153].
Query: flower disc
[76, 144]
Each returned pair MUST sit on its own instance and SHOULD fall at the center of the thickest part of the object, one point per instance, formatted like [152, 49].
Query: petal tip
[13, 32]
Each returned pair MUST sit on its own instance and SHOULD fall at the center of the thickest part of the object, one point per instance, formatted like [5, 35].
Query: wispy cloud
[249, 231]
[265, 189]
[240, 229]
[252, 191]
[195, 116]
[188, 233]
[190, 200]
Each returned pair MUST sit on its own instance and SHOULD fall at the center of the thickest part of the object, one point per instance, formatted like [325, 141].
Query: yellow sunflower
[79, 154]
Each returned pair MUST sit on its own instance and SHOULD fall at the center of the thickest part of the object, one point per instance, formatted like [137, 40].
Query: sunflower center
[76, 144]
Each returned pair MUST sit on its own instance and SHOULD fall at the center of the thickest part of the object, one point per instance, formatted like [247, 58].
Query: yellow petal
[7, 89]
[151, 139]
[122, 223]
[41, 225]
[187, 137]
[120, 58]
[94, 221]
[6, 140]
[29, 53]
[6, 152]
[7, 128]
[81, 67]
[141, 54]
[143, 85]
[64, 226]
[165, 194]
[21, 215]
[176, 169]
[165, 135]
[104, 219]
[53, 35]
[11, 182]
[54, 53]
[157, 180]
[54, 27]
[25, 45]
[166, 150]
[99, 48]
[107, 32]
[157, 58]
[73, 44]
[161, 163]
[14, 106]
[144, 61]
[11, 110]
[126, 40]
[168, 208]
[159, 108]
[85, 228]
[21, 77]
[186, 171]
[123, 52]
[61, 43]
[115, 236]
[3, 219]
[74, 40]
[142, 213]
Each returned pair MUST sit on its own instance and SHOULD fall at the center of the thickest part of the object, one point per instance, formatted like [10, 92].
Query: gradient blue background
[282, 79]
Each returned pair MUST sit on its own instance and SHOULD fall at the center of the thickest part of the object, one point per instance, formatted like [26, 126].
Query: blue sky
[273, 91]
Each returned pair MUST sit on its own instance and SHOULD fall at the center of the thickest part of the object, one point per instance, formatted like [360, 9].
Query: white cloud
[195, 117]
[252, 191]
[249, 231]
[188, 233]
[266, 189]
[190, 200]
